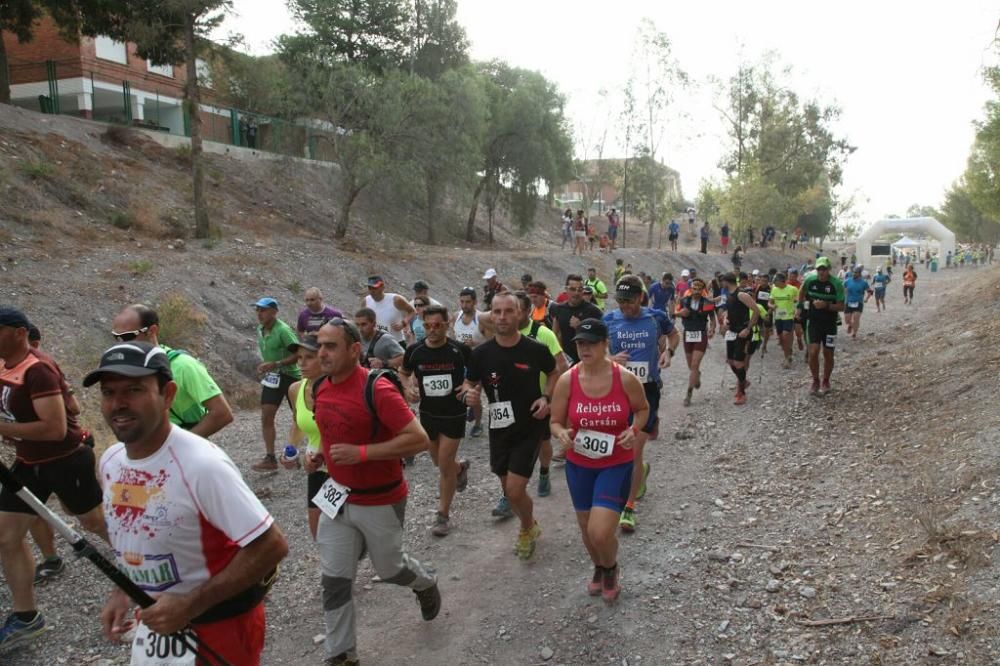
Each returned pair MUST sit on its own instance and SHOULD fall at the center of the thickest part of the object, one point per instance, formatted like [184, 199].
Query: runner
[415, 331]
[880, 282]
[592, 408]
[857, 291]
[433, 371]
[644, 341]
[794, 281]
[365, 430]
[579, 233]
[762, 294]
[619, 269]
[509, 368]
[538, 331]
[213, 562]
[312, 316]
[784, 298]
[698, 312]
[674, 231]
[566, 316]
[613, 223]
[682, 285]
[50, 458]
[661, 294]
[597, 286]
[379, 349]
[909, 283]
[277, 371]
[391, 310]
[822, 297]
[540, 304]
[724, 237]
[472, 328]
[492, 287]
[422, 290]
[304, 429]
[198, 405]
[741, 318]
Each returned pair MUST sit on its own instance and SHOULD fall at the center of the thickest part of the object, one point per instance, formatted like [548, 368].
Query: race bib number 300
[437, 386]
[593, 444]
[640, 369]
[331, 498]
[501, 415]
[152, 649]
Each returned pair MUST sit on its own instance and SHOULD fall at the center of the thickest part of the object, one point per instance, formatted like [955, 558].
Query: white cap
[490, 273]
[685, 273]
[755, 272]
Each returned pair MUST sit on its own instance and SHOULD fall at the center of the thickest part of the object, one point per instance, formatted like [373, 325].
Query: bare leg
[267, 414]
[515, 487]
[45, 538]
[18, 564]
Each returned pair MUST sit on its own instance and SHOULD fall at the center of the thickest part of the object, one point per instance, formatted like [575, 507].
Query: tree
[982, 173]
[437, 41]
[916, 210]
[650, 200]
[709, 199]
[961, 214]
[257, 84]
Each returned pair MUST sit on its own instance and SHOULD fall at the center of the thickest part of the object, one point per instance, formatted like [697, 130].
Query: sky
[906, 78]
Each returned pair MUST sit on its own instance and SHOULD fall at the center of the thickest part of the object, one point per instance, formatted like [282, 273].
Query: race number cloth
[152, 649]
[331, 498]
[179, 516]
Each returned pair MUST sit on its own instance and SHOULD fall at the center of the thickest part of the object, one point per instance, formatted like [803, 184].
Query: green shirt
[784, 299]
[547, 337]
[273, 346]
[600, 291]
[194, 387]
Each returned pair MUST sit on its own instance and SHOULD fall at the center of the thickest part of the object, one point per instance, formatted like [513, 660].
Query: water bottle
[290, 457]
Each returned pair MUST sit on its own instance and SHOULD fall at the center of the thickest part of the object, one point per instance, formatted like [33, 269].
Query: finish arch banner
[908, 226]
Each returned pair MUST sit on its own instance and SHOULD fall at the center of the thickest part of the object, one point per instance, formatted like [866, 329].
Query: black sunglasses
[350, 328]
[128, 336]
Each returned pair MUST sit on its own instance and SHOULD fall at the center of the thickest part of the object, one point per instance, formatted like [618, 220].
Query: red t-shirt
[343, 418]
[37, 376]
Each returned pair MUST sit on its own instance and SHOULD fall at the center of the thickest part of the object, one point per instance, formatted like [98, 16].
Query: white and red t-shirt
[178, 517]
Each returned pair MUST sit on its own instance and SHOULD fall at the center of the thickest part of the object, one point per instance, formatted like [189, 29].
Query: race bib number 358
[152, 649]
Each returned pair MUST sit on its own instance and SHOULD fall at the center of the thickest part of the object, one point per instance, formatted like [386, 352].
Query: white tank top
[469, 334]
[386, 314]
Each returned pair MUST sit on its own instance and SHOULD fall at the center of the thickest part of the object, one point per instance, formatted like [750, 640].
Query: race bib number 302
[592, 444]
[501, 415]
[437, 386]
[152, 649]
[331, 498]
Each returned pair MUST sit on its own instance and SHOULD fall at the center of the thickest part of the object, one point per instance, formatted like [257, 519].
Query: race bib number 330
[437, 386]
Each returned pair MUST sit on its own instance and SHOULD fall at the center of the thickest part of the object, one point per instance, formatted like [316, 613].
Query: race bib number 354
[152, 649]
[501, 415]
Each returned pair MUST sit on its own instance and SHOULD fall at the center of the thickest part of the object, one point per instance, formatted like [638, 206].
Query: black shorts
[515, 452]
[314, 482]
[73, 479]
[848, 309]
[672, 237]
[738, 349]
[784, 325]
[821, 333]
[452, 427]
[274, 396]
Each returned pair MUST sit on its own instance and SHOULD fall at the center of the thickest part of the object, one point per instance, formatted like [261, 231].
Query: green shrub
[141, 266]
[181, 323]
[36, 169]
[122, 219]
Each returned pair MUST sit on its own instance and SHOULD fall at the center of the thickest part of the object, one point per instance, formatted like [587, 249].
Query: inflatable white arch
[909, 226]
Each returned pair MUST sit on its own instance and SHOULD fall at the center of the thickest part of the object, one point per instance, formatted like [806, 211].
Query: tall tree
[961, 214]
[437, 41]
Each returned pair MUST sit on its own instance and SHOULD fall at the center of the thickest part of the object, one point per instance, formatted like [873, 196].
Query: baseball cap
[526, 277]
[266, 302]
[685, 273]
[490, 273]
[591, 330]
[627, 291]
[309, 341]
[34, 335]
[587, 289]
[755, 272]
[131, 359]
[376, 281]
[420, 284]
[823, 261]
[14, 318]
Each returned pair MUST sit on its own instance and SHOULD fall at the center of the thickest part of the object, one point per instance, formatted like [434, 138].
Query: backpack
[373, 376]
[371, 348]
[533, 333]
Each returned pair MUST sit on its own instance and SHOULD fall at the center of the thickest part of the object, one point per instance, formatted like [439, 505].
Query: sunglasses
[128, 336]
[434, 325]
[350, 328]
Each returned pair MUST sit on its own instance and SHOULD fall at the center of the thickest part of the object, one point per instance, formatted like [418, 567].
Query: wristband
[635, 429]
[364, 453]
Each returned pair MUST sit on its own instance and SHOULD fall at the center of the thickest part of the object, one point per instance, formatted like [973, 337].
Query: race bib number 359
[152, 649]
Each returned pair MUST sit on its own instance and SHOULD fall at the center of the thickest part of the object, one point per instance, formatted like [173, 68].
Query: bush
[181, 323]
[36, 169]
[122, 219]
[141, 267]
[119, 135]
[184, 154]
[295, 287]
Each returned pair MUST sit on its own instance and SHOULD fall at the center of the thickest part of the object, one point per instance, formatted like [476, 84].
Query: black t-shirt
[512, 375]
[439, 371]
[697, 320]
[563, 312]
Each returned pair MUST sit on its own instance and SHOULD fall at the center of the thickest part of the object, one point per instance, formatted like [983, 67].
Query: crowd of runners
[568, 375]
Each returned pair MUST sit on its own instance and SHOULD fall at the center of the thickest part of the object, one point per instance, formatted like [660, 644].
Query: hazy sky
[906, 77]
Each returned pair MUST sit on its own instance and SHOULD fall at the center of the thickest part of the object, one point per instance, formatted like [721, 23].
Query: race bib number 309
[593, 444]
[152, 649]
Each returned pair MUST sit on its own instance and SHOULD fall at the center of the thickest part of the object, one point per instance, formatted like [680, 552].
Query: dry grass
[181, 322]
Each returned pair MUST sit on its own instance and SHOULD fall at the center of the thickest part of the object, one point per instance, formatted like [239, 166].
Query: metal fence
[149, 101]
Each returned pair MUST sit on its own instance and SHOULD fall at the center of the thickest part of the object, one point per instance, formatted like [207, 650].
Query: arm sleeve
[546, 361]
[408, 358]
[550, 340]
[227, 503]
[288, 337]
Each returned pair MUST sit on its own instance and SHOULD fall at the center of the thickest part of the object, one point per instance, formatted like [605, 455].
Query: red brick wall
[27, 60]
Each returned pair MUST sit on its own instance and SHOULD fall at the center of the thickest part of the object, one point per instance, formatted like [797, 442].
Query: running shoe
[697, 380]
[430, 602]
[526, 539]
[15, 631]
[824, 387]
[611, 586]
[687, 398]
[442, 525]
[597, 582]
[342, 660]
[502, 509]
[814, 389]
[477, 431]
[627, 521]
[642, 486]
[741, 398]
[49, 569]
[463, 475]
[787, 363]
[544, 485]
[266, 464]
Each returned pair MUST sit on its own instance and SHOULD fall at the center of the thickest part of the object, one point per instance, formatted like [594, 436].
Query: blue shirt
[640, 338]
[659, 296]
[674, 228]
[854, 290]
[880, 280]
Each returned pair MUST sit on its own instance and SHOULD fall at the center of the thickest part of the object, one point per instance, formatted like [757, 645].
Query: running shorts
[314, 482]
[274, 396]
[697, 346]
[738, 349]
[672, 237]
[848, 309]
[72, 479]
[515, 452]
[452, 427]
[606, 487]
[784, 325]
[821, 333]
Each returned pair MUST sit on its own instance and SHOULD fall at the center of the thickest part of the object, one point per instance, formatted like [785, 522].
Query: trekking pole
[83, 548]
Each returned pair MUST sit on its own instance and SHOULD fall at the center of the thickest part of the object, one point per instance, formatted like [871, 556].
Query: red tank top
[589, 418]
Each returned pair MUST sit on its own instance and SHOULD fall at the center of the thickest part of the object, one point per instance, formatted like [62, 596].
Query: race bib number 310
[152, 649]
[640, 369]
[331, 498]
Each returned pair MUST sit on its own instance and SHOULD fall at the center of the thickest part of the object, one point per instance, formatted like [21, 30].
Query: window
[162, 70]
[204, 73]
[109, 49]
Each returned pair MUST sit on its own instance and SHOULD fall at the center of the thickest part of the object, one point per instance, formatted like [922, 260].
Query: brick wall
[27, 60]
